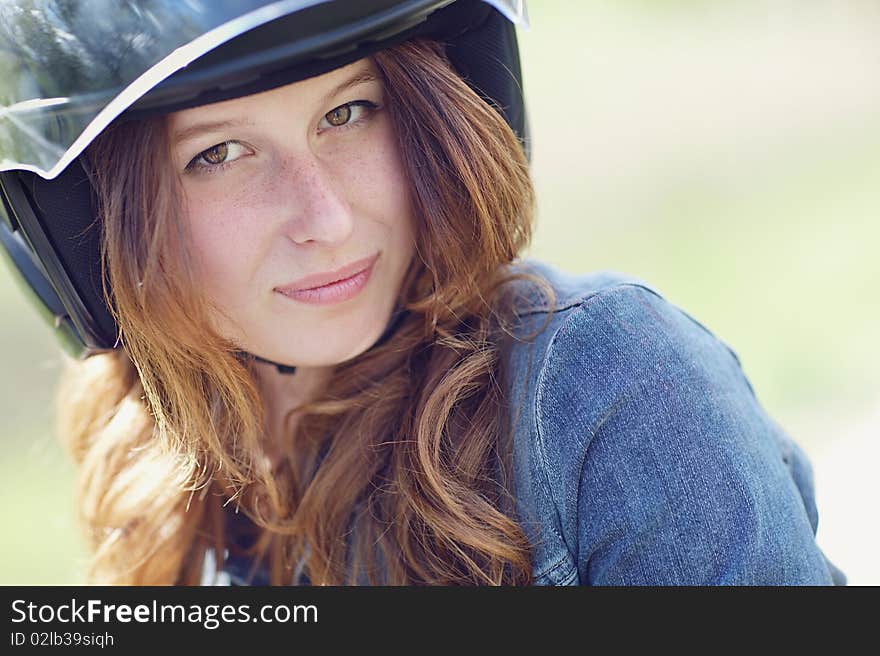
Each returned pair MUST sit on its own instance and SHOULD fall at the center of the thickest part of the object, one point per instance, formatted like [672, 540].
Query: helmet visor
[67, 69]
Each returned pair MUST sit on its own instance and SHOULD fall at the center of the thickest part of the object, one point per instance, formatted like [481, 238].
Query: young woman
[332, 366]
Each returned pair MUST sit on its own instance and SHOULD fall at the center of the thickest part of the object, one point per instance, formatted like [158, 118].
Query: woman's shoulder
[607, 345]
[529, 296]
[614, 324]
[641, 445]
[615, 348]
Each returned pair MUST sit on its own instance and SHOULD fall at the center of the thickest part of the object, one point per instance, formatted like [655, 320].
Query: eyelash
[196, 166]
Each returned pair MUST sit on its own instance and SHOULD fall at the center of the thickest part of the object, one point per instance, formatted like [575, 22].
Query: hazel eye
[217, 156]
[347, 115]
[339, 116]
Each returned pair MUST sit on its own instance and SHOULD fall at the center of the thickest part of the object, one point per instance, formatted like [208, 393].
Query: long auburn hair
[399, 471]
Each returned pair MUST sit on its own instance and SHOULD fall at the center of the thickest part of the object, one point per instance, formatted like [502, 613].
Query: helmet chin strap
[395, 321]
[282, 368]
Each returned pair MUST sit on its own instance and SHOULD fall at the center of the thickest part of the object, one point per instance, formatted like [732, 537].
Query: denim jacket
[640, 453]
[643, 456]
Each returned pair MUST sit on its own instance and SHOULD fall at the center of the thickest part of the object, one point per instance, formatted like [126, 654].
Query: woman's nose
[316, 208]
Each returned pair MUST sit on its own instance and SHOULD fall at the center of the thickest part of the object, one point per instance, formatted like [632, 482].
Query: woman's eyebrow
[201, 128]
[361, 77]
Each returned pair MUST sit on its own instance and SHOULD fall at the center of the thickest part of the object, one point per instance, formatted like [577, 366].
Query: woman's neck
[282, 393]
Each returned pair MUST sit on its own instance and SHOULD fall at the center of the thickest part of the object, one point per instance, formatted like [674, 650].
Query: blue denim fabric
[642, 456]
[640, 453]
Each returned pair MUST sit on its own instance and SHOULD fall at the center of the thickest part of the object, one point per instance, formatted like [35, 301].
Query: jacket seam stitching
[539, 394]
[585, 298]
[542, 451]
[562, 560]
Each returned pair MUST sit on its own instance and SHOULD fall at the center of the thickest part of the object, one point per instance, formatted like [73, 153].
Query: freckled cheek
[222, 243]
[379, 186]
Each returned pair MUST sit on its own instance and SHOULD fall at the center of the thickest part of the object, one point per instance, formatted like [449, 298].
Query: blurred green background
[727, 152]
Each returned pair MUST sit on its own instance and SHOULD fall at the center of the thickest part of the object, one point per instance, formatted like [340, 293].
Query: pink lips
[332, 287]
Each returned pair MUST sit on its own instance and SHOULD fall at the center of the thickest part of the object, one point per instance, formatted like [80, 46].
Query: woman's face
[287, 191]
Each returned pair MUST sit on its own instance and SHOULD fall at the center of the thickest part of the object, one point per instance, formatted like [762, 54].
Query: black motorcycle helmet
[68, 70]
